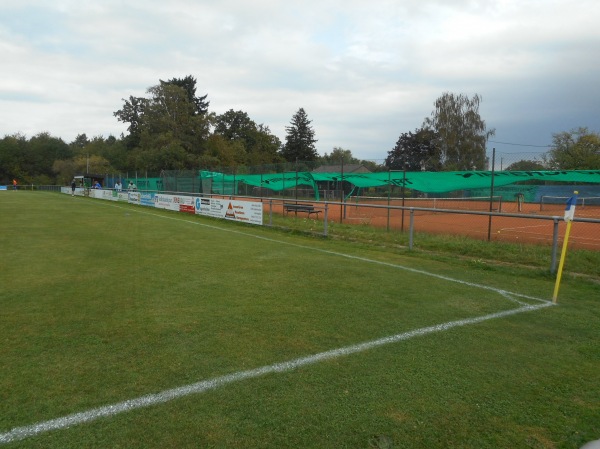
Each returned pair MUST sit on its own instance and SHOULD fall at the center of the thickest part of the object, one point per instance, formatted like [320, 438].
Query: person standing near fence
[15, 184]
[73, 185]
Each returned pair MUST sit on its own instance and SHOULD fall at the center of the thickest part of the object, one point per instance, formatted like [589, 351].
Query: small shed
[88, 180]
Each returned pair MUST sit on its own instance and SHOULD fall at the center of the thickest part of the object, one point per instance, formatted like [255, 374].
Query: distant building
[350, 168]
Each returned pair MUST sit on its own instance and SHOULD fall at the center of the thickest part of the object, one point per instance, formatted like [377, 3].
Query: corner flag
[569, 216]
[570, 209]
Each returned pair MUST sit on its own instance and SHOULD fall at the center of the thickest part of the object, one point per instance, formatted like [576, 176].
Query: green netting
[427, 182]
[430, 182]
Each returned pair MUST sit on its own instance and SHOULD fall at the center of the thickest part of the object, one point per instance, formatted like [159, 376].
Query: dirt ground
[527, 229]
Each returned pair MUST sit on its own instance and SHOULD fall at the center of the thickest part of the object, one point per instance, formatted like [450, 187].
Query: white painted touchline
[347, 256]
[20, 433]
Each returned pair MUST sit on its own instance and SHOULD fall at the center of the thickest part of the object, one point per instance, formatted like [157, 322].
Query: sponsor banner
[246, 211]
[94, 193]
[134, 198]
[68, 190]
[122, 196]
[145, 199]
[186, 204]
[166, 202]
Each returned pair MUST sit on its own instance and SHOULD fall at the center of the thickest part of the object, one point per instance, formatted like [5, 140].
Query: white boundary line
[348, 256]
[20, 433]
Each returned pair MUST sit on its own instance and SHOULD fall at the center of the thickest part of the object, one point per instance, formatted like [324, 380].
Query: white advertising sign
[179, 203]
[246, 211]
[166, 202]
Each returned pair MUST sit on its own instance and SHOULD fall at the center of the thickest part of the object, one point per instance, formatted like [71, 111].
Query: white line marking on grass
[20, 433]
[348, 256]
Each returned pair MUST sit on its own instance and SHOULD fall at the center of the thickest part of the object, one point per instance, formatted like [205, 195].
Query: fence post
[554, 246]
[412, 228]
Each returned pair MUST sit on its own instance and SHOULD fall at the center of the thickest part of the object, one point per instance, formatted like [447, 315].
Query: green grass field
[129, 327]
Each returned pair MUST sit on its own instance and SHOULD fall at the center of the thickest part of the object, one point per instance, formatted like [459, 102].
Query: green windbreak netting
[273, 181]
[430, 182]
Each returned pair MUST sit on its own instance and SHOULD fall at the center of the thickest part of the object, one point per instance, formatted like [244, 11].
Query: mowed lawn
[104, 302]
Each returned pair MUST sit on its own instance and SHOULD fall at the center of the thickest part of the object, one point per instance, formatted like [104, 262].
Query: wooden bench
[299, 207]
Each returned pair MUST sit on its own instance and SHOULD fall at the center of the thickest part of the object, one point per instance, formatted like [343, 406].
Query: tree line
[172, 128]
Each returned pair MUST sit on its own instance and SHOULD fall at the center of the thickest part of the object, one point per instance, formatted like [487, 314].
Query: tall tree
[42, 151]
[236, 125]
[176, 98]
[266, 147]
[132, 113]
[300, 139]
[11, 148]
[462, 133]
[169, 129]
[578, 149]
[79, 143]
[415, 152]
[188, 84]
[256, 142]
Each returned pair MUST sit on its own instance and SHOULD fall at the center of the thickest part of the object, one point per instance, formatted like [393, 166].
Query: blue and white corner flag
[570, 210]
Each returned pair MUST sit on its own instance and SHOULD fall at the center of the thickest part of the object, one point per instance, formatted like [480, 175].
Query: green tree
[266, 147]
[373, 166]
[415, 152]
[39, 156]
[300, 139]
[221, 152]
[255, 142]
[169, 129]
[578, 149]
[188, 84]
[30, 161]
[236, 125]
[132, 113]
[337, 155]
[11, 147]
[65, 169]
[80, 142]
[115, 151]
[526, 165]
[461, 132]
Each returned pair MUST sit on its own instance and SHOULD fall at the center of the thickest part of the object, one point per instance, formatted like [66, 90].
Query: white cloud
[364, 71]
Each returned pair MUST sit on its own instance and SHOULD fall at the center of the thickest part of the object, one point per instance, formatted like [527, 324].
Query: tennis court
[437, 220]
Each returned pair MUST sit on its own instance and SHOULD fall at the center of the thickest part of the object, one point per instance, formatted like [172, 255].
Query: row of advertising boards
[243, 211]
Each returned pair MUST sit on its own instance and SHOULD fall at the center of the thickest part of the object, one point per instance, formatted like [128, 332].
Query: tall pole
[492, 194]
[389, 198]
[342, 193]
[403, 194]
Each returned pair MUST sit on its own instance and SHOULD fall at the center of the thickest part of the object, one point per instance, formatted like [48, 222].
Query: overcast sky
[364, 71]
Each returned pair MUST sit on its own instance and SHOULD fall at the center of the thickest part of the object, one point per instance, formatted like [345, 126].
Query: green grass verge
[104, 302]
[536, 258]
